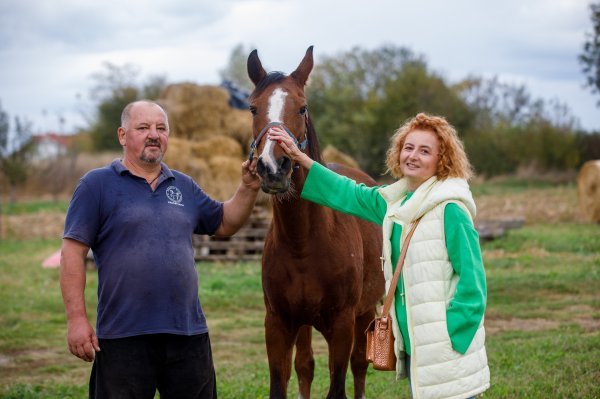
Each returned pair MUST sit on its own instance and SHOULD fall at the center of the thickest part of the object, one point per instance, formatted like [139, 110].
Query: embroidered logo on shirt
[174, 195]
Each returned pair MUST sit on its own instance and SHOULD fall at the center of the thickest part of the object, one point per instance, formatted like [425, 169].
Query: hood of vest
[427, 196]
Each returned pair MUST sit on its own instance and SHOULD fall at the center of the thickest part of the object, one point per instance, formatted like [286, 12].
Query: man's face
[145, 136]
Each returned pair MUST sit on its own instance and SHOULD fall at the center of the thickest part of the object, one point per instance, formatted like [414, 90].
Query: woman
[441, 295]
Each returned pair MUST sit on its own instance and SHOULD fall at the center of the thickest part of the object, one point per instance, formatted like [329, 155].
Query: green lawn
[25, 207]
[543, 322]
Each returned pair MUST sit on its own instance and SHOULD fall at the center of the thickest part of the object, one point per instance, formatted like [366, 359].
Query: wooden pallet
[246, 245]
[491, 229]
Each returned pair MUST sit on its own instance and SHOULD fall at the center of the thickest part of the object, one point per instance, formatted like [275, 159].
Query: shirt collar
[118, 166]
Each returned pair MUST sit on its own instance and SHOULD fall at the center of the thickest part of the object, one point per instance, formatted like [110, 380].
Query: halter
[302, 146]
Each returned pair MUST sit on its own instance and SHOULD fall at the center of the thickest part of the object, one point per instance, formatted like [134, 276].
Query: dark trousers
[177, 366]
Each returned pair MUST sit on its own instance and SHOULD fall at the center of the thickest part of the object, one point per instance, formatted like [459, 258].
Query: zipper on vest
[402, 286]
[413, 362]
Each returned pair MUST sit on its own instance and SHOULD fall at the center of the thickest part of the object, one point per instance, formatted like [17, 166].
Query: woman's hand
[288, 145]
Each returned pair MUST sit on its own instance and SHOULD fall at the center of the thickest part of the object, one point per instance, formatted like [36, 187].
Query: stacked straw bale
[214, 163]
[199, 112]
[217, 145]
[588, 190]
[208, 138]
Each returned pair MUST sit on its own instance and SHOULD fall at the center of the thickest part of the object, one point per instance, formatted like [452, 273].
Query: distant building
[50, 145]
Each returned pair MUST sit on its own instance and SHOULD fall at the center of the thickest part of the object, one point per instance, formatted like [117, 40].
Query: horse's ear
[301, 73]
[256, 72]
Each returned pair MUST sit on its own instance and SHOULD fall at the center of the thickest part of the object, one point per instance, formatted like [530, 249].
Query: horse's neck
[294, 218]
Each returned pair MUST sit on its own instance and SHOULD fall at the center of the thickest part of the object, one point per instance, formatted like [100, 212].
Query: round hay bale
[217, 145]
[588, 190]
[333, 155]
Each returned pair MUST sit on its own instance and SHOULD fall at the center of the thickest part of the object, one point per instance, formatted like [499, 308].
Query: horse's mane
[314, 149]
[273, 77]
[269, 79]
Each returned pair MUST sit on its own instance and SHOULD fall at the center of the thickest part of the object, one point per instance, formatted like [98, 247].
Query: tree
[590, 58]
[4, 128]
[510, 129]
[236, 71]
[15, 150]
[359, 98]
[115, 88]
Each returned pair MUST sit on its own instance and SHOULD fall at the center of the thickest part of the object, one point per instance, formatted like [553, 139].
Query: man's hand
[82, 339]
[237, 209]
[250, 178]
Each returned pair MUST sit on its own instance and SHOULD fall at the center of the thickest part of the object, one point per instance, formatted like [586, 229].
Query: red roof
[61, 139]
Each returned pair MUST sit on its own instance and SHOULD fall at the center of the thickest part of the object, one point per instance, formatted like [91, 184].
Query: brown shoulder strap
[390, 295]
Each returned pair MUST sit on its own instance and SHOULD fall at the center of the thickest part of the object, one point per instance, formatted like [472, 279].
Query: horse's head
[278, 100]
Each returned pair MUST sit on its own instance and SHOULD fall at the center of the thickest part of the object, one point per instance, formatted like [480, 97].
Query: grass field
[542, 322]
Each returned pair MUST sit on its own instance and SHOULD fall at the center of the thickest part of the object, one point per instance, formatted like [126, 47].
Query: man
[138, 217]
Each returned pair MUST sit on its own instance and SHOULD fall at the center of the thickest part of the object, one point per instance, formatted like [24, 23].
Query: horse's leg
[280, 343]
[304, 362]
[339, 338]
[358, 361]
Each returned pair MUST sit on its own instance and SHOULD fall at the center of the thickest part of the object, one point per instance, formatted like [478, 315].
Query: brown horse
[320, 268]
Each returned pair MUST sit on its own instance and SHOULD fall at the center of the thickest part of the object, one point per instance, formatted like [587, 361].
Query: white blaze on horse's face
[274, 114]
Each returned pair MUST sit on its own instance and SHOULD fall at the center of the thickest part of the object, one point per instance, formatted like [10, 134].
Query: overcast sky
[50, 48]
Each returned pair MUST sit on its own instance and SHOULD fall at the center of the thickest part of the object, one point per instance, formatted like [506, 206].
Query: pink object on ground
[52, 261]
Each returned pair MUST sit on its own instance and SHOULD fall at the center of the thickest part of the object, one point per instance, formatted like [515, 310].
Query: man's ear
[121, 135]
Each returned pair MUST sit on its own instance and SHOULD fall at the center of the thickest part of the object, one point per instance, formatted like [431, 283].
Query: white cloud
[49, 49]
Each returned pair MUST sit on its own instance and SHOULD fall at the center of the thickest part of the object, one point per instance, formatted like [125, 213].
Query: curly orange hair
[453, 161]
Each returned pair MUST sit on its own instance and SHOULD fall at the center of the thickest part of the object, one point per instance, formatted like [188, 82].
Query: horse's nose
[285, 164]
[274, 174]
[261, 168]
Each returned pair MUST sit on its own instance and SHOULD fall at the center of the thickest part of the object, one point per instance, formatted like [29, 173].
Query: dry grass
[536, 205]
[219, 177]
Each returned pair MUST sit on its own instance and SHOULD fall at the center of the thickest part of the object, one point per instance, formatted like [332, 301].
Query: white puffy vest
[437, 370]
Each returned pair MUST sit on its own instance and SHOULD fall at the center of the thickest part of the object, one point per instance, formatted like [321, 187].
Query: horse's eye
[253, 110]
[303, 110]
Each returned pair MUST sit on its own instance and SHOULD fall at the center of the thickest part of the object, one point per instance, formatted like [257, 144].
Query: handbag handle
[390, 295]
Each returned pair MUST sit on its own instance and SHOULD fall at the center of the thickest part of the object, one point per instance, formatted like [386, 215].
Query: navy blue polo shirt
[142, 244]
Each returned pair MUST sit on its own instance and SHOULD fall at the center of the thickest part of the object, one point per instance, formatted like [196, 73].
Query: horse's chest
[310, 286]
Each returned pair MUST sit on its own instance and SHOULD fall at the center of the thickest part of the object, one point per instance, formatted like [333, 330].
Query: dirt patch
[27, 362]
[495, 326]
[4, 361]
[41, 366]
[589, 325]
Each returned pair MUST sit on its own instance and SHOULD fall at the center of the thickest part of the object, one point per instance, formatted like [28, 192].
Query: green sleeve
[326, 187]
[466, 308]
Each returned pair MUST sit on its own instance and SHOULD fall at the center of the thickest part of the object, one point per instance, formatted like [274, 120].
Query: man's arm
[237, 209]
[81, 337]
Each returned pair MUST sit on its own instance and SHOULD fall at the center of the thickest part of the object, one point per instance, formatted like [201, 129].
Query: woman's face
[419, 157]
